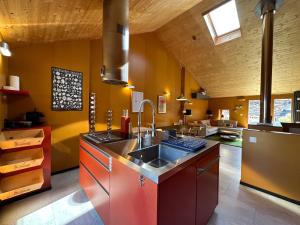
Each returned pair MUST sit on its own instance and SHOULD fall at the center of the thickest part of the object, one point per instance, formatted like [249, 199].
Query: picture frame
[67, 90]
[136, 98]
[162, 104]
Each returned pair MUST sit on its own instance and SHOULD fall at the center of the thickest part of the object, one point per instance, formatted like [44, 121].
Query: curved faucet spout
[140, 122]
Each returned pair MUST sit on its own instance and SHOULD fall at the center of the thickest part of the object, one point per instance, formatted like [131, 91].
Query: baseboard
[65, 170]
[271, 193]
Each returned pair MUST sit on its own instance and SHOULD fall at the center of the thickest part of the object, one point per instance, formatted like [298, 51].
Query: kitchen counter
[127, 186]
[120, 149]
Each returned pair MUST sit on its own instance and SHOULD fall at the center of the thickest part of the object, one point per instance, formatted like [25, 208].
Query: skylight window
[223, 22]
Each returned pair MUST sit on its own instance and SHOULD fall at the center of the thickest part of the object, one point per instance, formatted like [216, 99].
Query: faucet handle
[153, 127]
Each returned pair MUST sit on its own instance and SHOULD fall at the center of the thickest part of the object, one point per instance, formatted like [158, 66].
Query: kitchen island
[127, 188]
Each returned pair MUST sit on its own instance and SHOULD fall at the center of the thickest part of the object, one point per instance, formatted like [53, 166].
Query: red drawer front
[102, 156]
[206, 160]
[96, 168]
[95, 193]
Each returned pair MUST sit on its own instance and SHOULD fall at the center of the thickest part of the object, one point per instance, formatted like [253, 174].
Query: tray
[14, 161]
[21, 138]
[13, 186]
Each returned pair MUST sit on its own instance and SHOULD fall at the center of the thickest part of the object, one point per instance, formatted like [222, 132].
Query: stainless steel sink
[158, 155]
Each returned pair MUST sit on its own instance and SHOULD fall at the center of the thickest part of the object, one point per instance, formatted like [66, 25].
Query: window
[225, 114]
[283, 110]
[253, 111]
[223, 22]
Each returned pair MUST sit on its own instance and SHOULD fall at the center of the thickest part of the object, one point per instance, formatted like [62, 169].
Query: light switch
[252, 139]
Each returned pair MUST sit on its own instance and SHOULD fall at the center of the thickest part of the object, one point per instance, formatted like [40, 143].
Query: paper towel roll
[14, 81]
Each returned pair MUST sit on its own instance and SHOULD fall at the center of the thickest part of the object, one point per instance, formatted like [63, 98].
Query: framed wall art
[136, 98]
[162, 104]
[66, 90]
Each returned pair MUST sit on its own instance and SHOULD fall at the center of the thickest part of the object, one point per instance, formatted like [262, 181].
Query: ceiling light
[181, 98]
[4, 49]
[167, 93]
[130, 86]
[189, 102]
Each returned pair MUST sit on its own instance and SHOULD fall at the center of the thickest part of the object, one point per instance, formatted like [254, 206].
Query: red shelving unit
[12, 92]
[25, 162]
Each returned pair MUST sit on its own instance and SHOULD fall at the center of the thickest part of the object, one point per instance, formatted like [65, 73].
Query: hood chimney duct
[115, 42]
[266, 10]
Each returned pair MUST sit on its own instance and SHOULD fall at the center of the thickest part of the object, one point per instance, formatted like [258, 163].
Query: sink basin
[158, 155]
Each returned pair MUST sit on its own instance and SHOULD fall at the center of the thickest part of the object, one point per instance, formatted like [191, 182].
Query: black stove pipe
[266, 9]
[266, 63]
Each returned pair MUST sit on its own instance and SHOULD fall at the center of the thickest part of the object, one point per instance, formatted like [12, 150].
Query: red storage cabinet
[133, 199]
[207, 186]
[25, 162]
[96, 193]
[121, 195]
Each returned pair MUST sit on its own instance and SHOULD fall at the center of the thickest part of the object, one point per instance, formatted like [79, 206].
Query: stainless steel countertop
[120, 149]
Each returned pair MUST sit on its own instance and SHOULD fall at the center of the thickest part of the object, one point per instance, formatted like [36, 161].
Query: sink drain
[158, 163]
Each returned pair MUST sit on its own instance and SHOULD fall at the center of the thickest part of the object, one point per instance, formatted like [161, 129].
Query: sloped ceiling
[31, 21]
[230, 69]
[233, 68]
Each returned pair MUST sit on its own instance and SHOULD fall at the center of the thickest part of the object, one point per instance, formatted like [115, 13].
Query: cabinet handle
[142, 180]
[202, 170]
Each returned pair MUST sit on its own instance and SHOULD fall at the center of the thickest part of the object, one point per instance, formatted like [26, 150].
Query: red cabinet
[95, 178]
[25, 162]
[96, 168]
[95, 193]
[121, 195]
[177, 198]
[207, 186]
[133, 198]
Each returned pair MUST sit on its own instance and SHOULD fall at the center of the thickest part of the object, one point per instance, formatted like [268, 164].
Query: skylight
[223, 22]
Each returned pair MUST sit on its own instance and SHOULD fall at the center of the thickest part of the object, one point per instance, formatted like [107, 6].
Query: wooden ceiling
[233, 68]
[230, 69]
[31, 21]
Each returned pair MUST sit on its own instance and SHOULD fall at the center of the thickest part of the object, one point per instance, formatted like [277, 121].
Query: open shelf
[20, 184]
[21, 138]
[13, 92]
[14, 161]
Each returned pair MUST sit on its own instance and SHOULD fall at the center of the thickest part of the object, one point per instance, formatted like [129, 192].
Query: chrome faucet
[139, 121]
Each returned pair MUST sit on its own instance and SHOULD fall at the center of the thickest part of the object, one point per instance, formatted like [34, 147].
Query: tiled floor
[66, 204]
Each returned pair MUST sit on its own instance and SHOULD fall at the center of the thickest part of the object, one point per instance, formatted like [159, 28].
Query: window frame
[221, 110]
[220, 39]
[253, 100]
[291, 118]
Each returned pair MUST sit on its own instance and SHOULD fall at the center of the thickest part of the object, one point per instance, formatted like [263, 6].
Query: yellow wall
[3, 74]
[33, 64]
[152, 70]
[198, 106]
[216, 104]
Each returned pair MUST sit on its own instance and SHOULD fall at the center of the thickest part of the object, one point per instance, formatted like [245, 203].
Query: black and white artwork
[66, 90]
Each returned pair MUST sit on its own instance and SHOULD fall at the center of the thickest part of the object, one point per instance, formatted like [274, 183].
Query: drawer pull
[142, 180]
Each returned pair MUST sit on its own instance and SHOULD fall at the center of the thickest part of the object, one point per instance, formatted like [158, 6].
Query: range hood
[266, 9]
[115, 42]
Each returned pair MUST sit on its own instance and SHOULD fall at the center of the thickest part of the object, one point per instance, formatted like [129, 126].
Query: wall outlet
[252, 139]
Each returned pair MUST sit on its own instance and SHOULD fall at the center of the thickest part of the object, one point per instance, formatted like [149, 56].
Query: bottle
[125, 120]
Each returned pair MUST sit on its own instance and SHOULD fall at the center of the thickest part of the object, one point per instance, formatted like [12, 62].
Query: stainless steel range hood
[115, 44]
